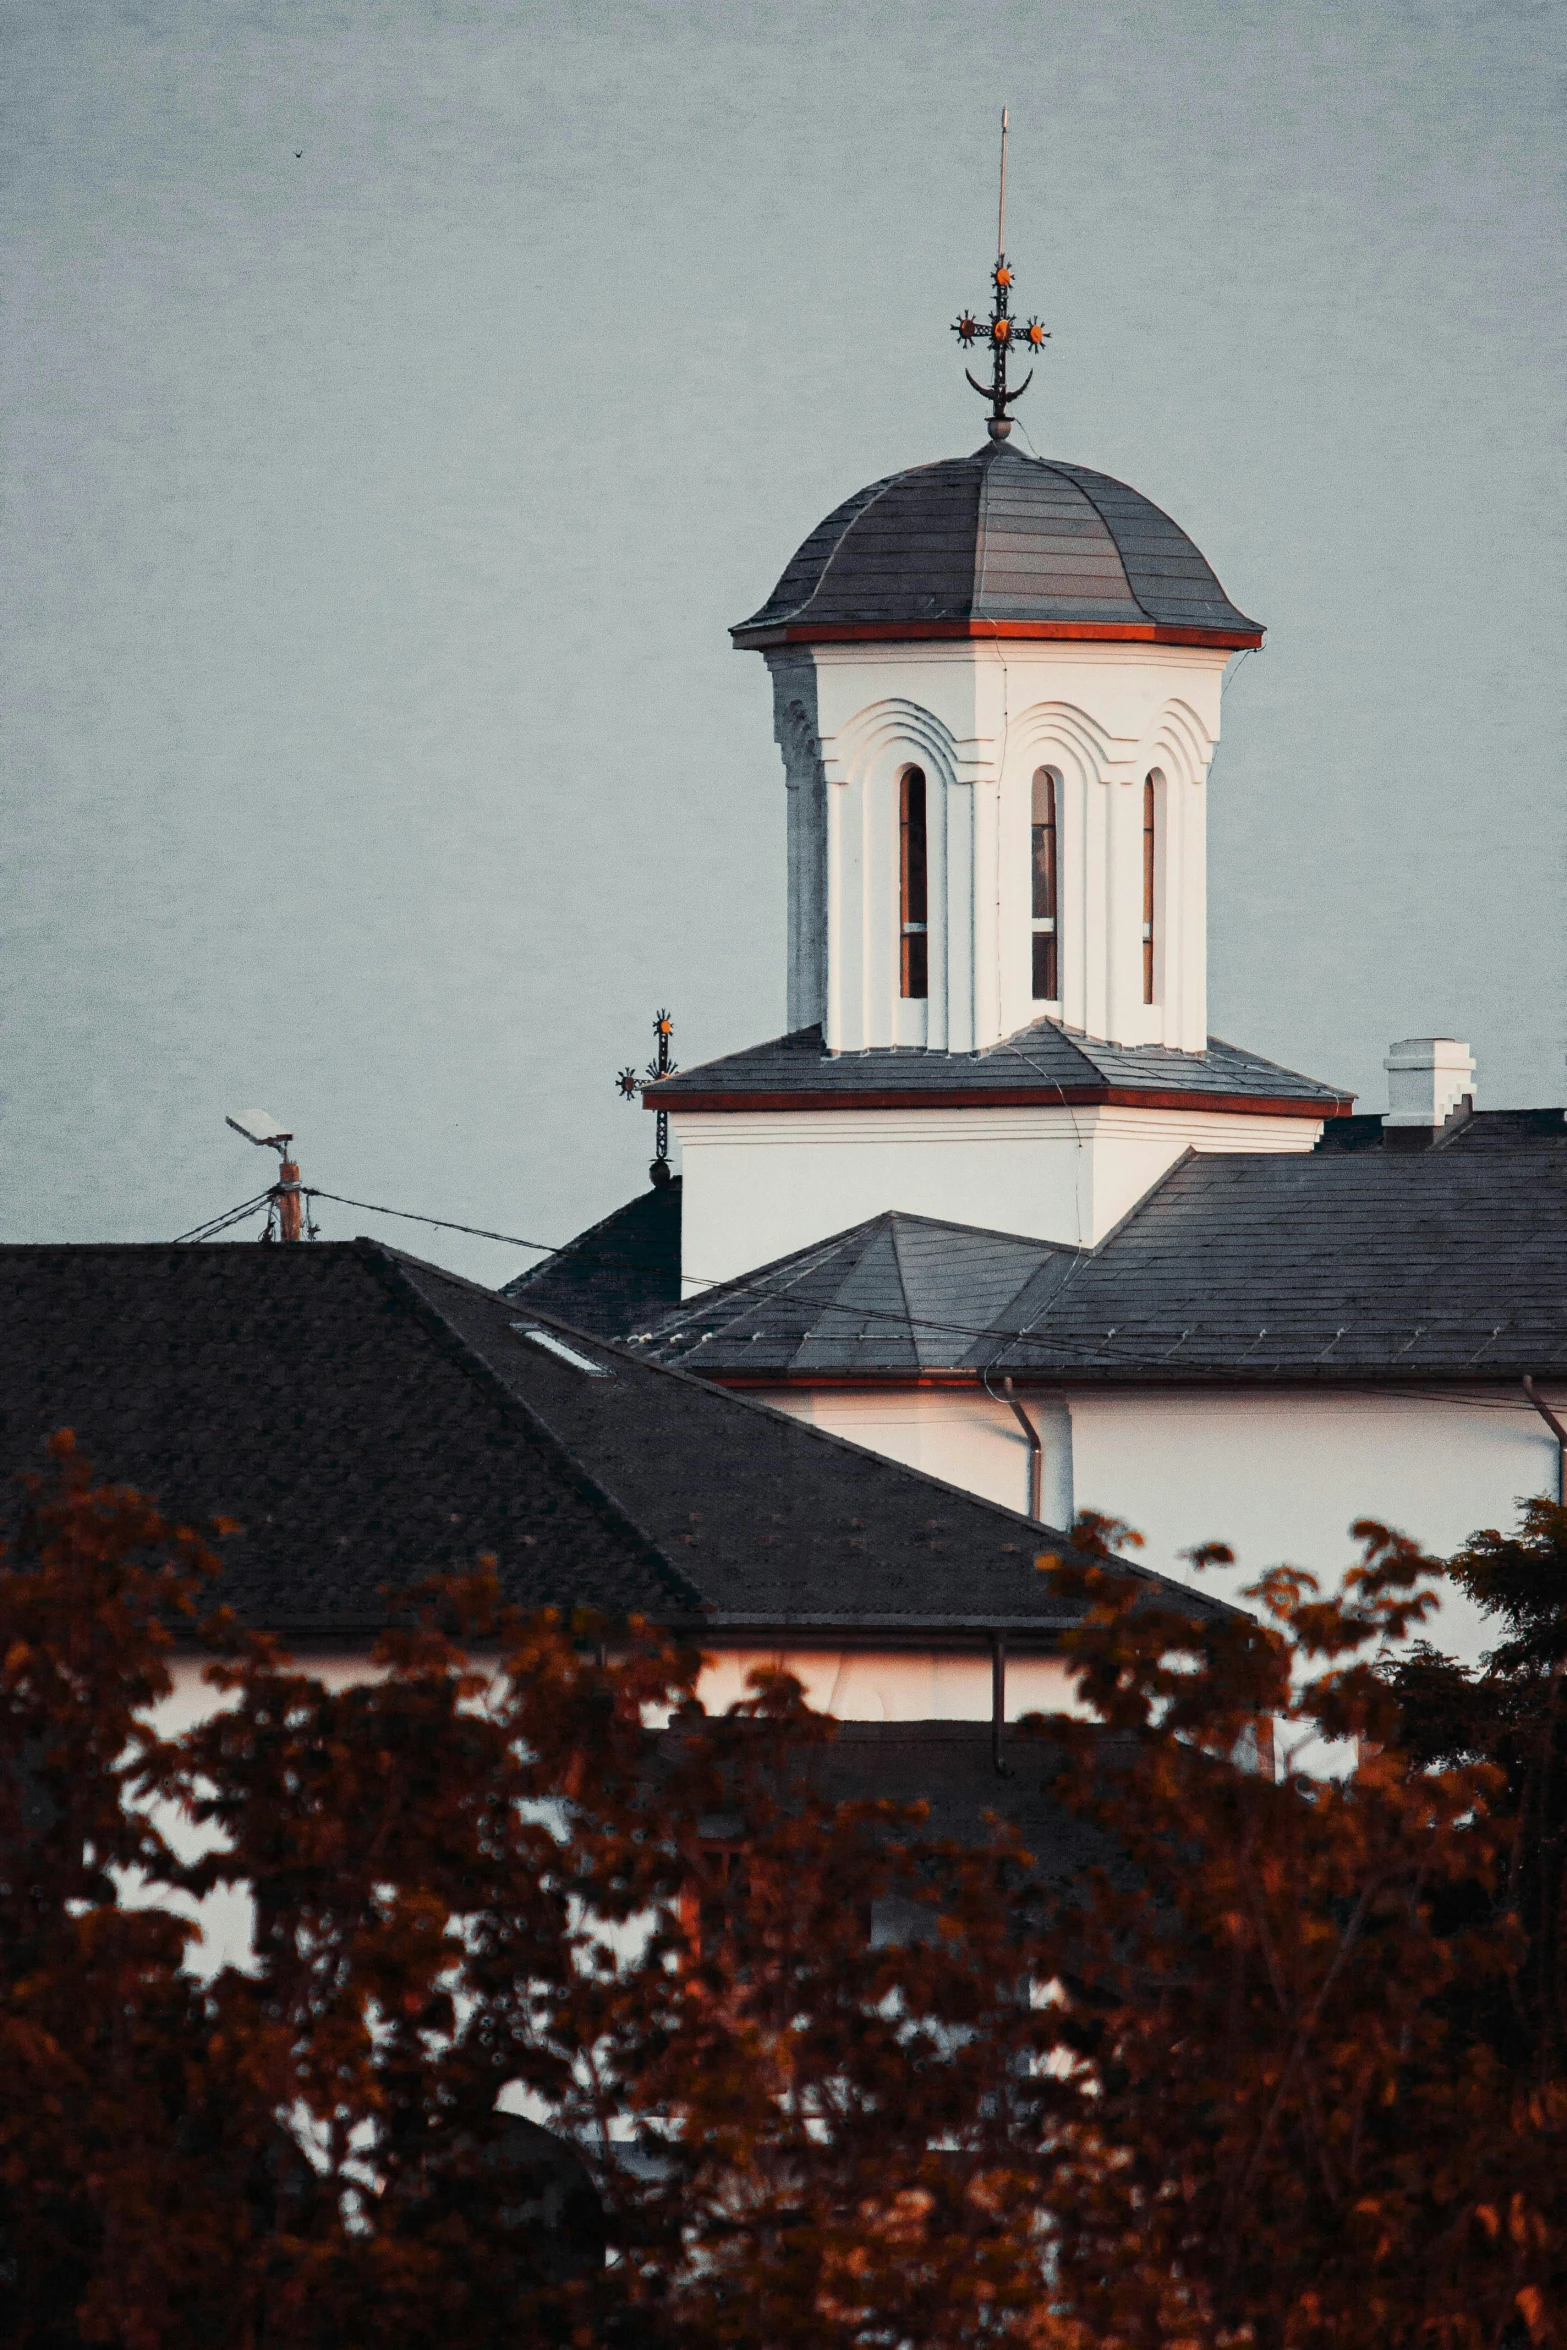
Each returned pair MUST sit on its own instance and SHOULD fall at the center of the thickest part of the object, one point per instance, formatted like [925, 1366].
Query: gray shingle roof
[774, 1522]
[1044, 1063]
[1474, 1130]
[948, 1766]
[1316, 1265]
[311, 1394]
[621, 1275]
[1004, 541]
[896, 1293]
[370, 1421]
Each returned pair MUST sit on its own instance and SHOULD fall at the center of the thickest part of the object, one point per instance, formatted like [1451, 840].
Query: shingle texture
[371, 1421]
[1449, 1262]
[309, 1393]
[1476, 1130]
[773, 1521]
[999, 537]
[897, 1293]
[1039, 1064]
[622, 1275]
[948, 1765]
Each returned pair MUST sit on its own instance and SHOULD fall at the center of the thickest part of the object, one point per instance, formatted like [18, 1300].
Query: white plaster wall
[894, 1685]
[854, 1685]
[1279, 1475]
[897, 1685]
[960, 1434]
[759, 1184]
[979, 718]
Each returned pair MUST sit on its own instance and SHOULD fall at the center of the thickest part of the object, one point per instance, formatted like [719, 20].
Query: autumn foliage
[1284, 2069]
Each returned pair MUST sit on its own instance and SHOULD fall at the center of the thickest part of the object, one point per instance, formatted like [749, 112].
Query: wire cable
[441, 1223]
[216, 1224]
[1100, 1353]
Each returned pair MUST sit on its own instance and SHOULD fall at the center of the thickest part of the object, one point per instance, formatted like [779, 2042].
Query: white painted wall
[894, 1685]
[1282, 1476]
[897, 1685]
[761, 1183]
[960, 1434]
[1277, 1474]
[853, 1685]
[980, 718]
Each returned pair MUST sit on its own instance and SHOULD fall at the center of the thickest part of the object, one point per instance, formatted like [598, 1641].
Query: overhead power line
[1100, 1351]
[217, 1224]
[441, 1223]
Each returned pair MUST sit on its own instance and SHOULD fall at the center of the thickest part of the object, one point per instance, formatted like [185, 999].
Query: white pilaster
[980, 719]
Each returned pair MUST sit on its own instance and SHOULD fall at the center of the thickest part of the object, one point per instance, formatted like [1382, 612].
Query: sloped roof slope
[1474, 1130]
[775, 1523]
[621, 1275]
[371, 1421]
[1044, 1063]
[896, 1293]
[1440, 1262]
[1403, 1266]
[311, 1394]
[1000, 542]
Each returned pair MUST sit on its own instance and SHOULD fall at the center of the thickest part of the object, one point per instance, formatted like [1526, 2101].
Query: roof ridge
[982, 1231]
[816, 1253]
[867, 498]
[1061, 473]
[1261, 1061]
[588, 1232]
[1011, 1044]
[807, 1428]
[909, 1315]
[385, 1266]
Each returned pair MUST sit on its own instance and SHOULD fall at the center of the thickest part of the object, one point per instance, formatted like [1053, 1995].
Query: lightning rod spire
[1001, 330]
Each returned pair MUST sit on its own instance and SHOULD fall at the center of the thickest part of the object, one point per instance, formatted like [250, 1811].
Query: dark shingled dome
[998, 544]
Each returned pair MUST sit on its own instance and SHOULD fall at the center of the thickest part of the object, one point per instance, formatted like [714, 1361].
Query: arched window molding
[913, 886]
[1045, 886]
[1150, 882]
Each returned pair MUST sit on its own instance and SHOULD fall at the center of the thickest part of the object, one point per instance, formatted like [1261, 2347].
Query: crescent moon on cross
[987, 391]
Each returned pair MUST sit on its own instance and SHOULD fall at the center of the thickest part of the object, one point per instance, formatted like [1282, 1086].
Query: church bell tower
[996, 685]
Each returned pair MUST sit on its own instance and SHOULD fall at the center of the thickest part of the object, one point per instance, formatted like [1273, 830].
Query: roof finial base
[998, 427]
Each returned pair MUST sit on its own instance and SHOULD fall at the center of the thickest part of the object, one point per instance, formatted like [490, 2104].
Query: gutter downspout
[1558, 1431]
[1036, 1454]
[998, 1701]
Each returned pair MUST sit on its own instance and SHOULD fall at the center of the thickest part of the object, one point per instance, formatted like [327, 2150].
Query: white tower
[996, 688]
[1040, 651]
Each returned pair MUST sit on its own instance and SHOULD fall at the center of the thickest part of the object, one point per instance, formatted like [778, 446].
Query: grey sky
[374, 749]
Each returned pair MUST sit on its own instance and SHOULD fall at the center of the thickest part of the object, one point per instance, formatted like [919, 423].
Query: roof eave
[1239, 637]
[1070, 1372]
[999, 1097]
[886, 1630]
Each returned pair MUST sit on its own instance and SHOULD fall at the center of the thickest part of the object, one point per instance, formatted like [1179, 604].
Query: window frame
[913, 885]
[1150, 923]
[1045, 928]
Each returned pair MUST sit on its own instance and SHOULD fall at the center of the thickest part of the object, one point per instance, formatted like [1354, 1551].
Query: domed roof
[998, 544]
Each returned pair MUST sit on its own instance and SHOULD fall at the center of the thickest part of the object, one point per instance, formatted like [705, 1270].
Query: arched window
[913, 917]
[1046, 882]
[1149, 859]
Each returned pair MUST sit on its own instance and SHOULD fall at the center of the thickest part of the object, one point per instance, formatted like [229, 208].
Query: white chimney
[1428, 1077]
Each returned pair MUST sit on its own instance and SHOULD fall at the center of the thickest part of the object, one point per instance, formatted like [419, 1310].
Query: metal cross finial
[631, 1085]
[1001, 330]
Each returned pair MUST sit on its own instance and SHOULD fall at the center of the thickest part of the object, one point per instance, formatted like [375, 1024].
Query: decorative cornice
[1107, 632]
[997, 1097]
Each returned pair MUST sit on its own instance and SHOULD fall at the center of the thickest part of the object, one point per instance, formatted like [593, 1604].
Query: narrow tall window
[1046, 890]
[1148, 888]
[913, 920]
